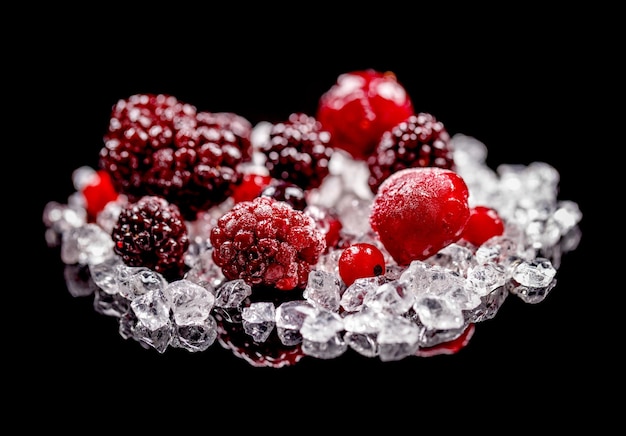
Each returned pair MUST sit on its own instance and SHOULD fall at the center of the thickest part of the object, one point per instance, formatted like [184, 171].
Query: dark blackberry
[266, 242]
[297, 151]
[287, 192]
[151, 233]
[157, 145]
[419, 141]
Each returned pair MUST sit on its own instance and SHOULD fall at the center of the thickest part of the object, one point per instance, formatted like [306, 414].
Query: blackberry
[266, 242]
[287, 192]
[151, 232]
[297, 151]
[157, 145]
[419, 141]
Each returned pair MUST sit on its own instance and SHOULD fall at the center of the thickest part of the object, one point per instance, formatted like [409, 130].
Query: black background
[526, 85]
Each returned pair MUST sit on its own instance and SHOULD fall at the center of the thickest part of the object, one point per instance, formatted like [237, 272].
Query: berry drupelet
[158, 145]
[266, 242]
[418, 141]
[297, 151]
[151, 233]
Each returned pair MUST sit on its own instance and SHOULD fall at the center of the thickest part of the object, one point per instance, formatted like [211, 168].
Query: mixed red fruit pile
[173, 162]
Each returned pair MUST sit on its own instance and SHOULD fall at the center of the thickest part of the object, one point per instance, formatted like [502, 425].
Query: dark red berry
[360, 260]
[287, 192]
[297, 151]
[157, 145]
[483, 224]
[151, 233]
[418, 141]
[266, 242]
[359, 107]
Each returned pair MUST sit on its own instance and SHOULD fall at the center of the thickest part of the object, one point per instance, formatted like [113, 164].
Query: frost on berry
[267, 242]
[151, 233]
[419, 141]
[297, 151]
[158, 145]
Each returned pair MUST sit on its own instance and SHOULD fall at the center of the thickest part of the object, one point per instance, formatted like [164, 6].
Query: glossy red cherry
[359, 107]
[419, 211]
[360, 260]
[483, 224]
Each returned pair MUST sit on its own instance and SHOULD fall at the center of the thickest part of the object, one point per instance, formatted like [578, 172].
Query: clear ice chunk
[195, 337]
[152, 310]
[232, 293]
[190, 303]
[323, 290]
[259, 319]
[86, 244]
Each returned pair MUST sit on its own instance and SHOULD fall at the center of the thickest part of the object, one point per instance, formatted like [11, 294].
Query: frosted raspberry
[267, 242]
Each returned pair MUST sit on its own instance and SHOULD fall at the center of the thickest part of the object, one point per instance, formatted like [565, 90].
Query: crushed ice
[422, 305]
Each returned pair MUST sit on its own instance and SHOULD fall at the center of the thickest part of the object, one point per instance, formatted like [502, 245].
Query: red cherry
[483, 224]
[419, 211]
[250, 187]
[360, 260]
[359, 107]
[98, 193]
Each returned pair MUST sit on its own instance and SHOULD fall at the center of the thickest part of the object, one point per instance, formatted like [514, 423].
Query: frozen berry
[418, 211]
[251, 185]
[98, 193]
[297, 151]
[287, 192]
[151, 233]
[418, 141]
[266, 242]
[360, 260]
[157, 145]
[483, 224]
[359, 107]
[328, 222]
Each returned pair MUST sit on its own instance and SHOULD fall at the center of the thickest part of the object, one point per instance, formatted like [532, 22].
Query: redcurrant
[483, 224]
[360, 260]
[251, 186]
[98, 193]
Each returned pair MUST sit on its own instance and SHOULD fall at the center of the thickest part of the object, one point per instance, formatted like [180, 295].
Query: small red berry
[98, 193]
[483, 224]
[360, 260]
[251, 186]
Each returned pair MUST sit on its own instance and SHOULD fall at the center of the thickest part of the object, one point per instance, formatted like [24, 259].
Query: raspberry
[418, 211]
[266, 242]
[418, 141]
[157, 145]
[483, 224]
[151, 232]
[297, 151]
[360, 260]
[359, 107]
[287, 192]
